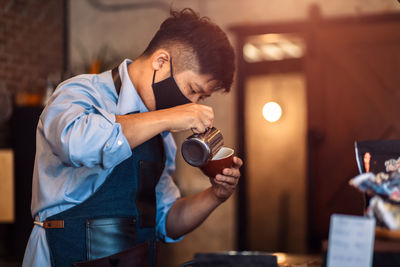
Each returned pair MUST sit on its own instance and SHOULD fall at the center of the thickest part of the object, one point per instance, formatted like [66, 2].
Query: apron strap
[116, 79]
[50, 224]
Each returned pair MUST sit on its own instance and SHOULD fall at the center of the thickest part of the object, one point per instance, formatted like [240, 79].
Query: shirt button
[108, 144]
[119, 142]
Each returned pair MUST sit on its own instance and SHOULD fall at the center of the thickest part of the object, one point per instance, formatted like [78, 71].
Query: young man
[102, 188]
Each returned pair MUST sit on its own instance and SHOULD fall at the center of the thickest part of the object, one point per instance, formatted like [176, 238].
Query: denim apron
[116, 225]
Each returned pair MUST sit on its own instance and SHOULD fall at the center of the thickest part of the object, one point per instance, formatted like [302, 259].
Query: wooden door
[353, 84]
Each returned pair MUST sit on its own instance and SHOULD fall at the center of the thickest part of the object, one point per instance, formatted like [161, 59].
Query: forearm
[188, 213]
[140, 127]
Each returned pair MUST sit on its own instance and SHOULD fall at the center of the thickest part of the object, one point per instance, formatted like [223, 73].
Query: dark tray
[234, 259]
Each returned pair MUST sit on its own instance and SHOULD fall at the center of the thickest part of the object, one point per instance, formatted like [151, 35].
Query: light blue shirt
[78, 143]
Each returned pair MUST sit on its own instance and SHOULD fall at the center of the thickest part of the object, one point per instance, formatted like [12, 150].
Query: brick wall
[31, 43]
[31, 51]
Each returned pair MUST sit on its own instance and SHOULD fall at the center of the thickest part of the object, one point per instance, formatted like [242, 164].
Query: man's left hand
[225, 184]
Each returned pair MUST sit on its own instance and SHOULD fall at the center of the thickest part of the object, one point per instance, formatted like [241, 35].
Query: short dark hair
[198, 35]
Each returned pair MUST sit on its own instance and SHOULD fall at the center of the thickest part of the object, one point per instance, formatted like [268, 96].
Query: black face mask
[167, 93]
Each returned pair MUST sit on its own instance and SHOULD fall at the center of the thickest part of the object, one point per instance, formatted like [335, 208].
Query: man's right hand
[189, 116]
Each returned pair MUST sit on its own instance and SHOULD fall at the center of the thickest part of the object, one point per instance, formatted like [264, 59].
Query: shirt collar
[128, 100]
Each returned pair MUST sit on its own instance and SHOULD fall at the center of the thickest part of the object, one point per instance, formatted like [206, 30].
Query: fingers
[222, 180]
[203, 118]
[237, 162]
[225, 184]
[189, 116]
[230, 177]
[199, 127]
[232, 172]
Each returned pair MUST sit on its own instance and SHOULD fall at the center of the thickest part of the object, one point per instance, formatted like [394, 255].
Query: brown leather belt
[50, 224]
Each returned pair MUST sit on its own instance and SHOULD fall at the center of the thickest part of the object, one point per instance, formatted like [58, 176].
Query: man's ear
[159, 58]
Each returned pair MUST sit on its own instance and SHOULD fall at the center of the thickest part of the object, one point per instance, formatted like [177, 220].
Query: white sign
[351, 241]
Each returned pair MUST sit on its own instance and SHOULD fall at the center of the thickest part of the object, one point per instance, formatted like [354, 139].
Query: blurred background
[331, 69]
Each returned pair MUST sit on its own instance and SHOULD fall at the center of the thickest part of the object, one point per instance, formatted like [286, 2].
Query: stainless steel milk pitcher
[197, 149]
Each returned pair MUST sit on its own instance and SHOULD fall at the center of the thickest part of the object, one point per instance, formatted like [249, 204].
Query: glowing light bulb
[272, 112]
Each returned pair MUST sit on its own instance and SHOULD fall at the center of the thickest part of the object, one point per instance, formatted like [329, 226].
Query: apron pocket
[107, 236]
[137, 256]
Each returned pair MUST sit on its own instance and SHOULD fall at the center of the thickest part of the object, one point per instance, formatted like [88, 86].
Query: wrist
[215, 198]
[164, 119]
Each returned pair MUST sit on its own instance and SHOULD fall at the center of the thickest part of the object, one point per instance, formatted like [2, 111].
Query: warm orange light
[272, 111]
[280, 257]
[273, 47]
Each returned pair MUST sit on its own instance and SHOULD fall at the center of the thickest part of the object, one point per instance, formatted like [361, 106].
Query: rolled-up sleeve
[81, 132]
